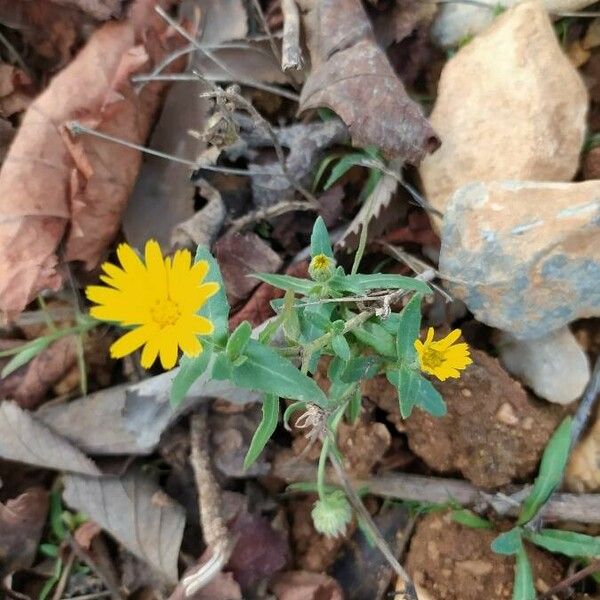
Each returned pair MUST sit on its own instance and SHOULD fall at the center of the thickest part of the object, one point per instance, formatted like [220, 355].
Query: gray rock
[455, 22]
[555, 366]
[510, 105]
[524, 256]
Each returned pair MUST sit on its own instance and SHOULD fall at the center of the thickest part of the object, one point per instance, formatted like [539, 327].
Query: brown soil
[494, 432]
[454, 562]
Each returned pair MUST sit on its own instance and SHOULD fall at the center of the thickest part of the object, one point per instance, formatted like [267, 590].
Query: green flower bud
[332, 514]
[321, 268]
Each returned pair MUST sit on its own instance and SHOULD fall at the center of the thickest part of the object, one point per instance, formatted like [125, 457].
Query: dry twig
[291, 52]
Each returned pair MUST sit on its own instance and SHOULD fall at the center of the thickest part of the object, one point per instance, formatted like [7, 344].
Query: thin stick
[238, 99]
[270, 211]
[64, 577]
[586, 404]
[272, 89]
[265, 24]
[291, 56]
[77, 128]
[565, 584]
[214, 530]
[367, 521]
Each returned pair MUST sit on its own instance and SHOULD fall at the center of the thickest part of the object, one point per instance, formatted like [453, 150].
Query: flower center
[165, 312]
[321, 261]
[432, 359]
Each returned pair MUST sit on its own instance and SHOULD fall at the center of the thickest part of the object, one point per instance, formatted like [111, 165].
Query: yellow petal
[199, 270]
[157, 269]
[130, 261]
[190, 344]
[446, 342]
[168, 349]
[150, 352]
[429, 338]
[198, 325]
[131, 341]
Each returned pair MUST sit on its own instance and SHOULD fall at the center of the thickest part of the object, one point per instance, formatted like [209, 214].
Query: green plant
[319, 317]
[61, 524]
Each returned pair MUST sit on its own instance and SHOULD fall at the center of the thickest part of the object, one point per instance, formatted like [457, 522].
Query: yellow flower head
[159, 299]
[321, 267]
[443, 358]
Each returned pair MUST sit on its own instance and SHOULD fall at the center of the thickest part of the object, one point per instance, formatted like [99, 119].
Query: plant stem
[321, 488]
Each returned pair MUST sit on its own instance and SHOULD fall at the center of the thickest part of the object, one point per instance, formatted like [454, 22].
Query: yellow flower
[321, 267]
[443, 359]
[159, 298]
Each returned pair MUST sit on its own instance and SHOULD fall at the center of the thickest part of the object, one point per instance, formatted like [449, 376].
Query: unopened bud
[321, 268]
[332, 514]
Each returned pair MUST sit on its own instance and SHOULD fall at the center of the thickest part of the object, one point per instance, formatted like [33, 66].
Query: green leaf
[263, 433]
[340, 347]
[290, 410]
[268, 371]
[319, 239]
[56, 511]
[550, 475]
[385, 281]
[508, 543]
[237, 340]
[189, 370]
[49, 550]
[287, 282]
[568, 543]
[28, 351]
[523, 588]
[374, 335]
[415, 390]
[359, 367]
[52, 581]
[323, 167]
[216, 308]
[344, 165]
[354, 406]
[470, 519]
[409, 327]
[221, 368]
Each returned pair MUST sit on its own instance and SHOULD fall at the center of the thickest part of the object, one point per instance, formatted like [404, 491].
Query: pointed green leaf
[415, 390]
[323, 167]
[287, 282]
[344, 165]
[385, 281]
[523, 588]
[216, 308]
[319, 239]
[221, 367]
[374, 335]
[237, 340]
[340, 347]
[468, 518]
[409, 327]
[189, 370]
[551, 471]
[29, 351]
[268, 371]
[568, 543]
[508, 543]
[354, 406]
[266, 428]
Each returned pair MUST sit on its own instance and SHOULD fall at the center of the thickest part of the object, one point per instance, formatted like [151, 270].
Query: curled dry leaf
[21, 523]
[23, 438]
[54, 186]
[136, 512]
[99, 9]
[352, 76]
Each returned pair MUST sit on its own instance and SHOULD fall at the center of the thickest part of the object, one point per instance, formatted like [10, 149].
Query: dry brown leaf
[52, 185]
[352, 76]
[25, 439]
[136, 512]
[99, 9]
[16, 90]
[240, 255]
[303, 585]
[21, 523]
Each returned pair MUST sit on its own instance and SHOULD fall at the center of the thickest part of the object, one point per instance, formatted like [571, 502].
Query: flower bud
[331, 514]
[321, 268]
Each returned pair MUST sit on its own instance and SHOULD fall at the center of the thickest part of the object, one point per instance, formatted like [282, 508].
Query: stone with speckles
[510, 105]
[524, 256]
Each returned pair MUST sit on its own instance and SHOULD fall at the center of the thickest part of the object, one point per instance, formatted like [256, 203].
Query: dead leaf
[398, 20]
[22, 521]
[23, 438]
[303, 585]
[99, 9]
[52, 185]
[260, 550]
[130, 419]
[16, 90]
[240, 255]
[221, 587]
[352, 76]
[258, 307]
[30, 384]
[135, 512]
[85, 534]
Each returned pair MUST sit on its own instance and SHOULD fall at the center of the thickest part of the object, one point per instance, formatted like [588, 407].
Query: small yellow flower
[443, 359]
[159, 298]
[321, 267]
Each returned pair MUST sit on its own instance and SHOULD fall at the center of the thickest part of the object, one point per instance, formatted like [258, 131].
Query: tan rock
[510, 106]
